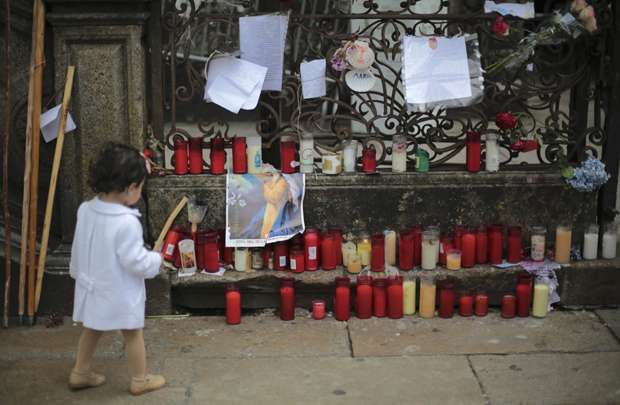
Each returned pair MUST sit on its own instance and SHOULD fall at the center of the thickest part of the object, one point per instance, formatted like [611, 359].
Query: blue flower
[589, 176]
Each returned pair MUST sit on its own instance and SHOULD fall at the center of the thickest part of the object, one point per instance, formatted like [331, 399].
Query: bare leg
[136, 354]
[86, 348]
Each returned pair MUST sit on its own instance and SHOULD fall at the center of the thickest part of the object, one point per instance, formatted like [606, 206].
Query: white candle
[491, 162]
[390, 247]
[430, 250]
[590, 243]
[610, 243]
[399, 154]
[241, 259]
[348, 249]
[350, 156]
[255, 156]
[540, 303]
[306, 153]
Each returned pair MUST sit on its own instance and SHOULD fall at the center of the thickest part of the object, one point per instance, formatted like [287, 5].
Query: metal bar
[157, 101]
[5, 166]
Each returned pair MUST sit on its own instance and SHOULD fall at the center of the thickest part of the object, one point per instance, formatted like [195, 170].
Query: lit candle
[453, 259]
[590, 242]
[399, 154]
[430, 250]
[355, 264]
[427, 297]
[610, 242]
[363, 249]
[409, 293]
[468, 249]
[541, 299]
[537, 252]
[562, 243]
[348, 249]
[390, 247]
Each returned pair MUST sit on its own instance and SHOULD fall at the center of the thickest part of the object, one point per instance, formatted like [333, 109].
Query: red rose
[147, 153]
[501, 28]
[530, 145]
[517, 146]
[505, 120]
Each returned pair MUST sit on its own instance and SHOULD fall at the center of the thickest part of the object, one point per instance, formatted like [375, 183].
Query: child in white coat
[109, 264]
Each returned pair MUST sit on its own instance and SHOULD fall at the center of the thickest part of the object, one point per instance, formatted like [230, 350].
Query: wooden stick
[168, 224]
[34, 175]
[60, 140]
[5, 166]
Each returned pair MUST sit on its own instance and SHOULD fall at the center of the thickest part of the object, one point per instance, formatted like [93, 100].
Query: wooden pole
[34, 175]
[60, 139]
[168, 224]
[5, 166]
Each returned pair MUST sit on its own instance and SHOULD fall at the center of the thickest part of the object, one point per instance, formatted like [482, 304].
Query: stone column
[104, 41]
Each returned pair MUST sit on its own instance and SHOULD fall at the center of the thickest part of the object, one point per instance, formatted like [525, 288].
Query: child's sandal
[149, 383]
[88, 379]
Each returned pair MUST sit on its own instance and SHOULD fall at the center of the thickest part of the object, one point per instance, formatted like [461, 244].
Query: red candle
[447, 297]
[217, 155]
[287, 299]
[233, 305]
[509, 306]
[328, 253]
[318, 309]
[311, 242]
[287, 157]
[378, 297]
[195, 155]
[481, 304]
[468, 249]
[226, 253]
[240, 158]
[183, 234]
[280, 256]
[363, 297]
[459, 231]
[416, 231]
[297, 260]
[268, 257]
[445, 244]
[211, 254]
[172, 239]
[180, 156]
[369, 159]
[473, 151]
[495, 243]
[199, 249]
[337, 234]
[524, 295]
[514, 244]
[466, 304]
[395, 297]
[481, 245]
[405, 249]
[377, 255]
[342, 299]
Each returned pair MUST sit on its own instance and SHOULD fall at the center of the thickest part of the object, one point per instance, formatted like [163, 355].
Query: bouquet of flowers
[581, 18]
[510, 125]
[588, 177]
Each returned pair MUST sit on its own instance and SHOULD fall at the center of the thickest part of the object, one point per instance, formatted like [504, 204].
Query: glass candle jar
[363, 297]
[405, 249]
[342, 299]
[399, 154]
[211, 254]
[590, 242]
[453, 259]
[409, 296]
[257, 258]
[395, 297]
[348, 249]
[482, 255]
[233, 304]
[515, 244]
[328, 252]
[242, 259]
[457, 237]
[377, 255]
[540, 302]
[524, 295]
[422, 161]
[255, 154]
[495, 243]
[538, 238]
[610, 242]
[318, 309]
[364, 249]
[311, 247]
[240, 158]
[468, 249]
[337, 234]
[217, 156]
[172, 239]
[445, 245]
[306, 153]
[466, 304]
[287, 299]
[416, 231]
[447, 297]
[472, 146]
[280, 256]
[378, 297]
[430, 250]
[287, 157]
[195, 155]
[297, 260]
[491, 161]
[268, 257]
[481, 304]
[563, 235]
[369, 159]
[180, 156]
[354, 265]
[509, 306]
[390, 247]
[350, 156]
[427, 296]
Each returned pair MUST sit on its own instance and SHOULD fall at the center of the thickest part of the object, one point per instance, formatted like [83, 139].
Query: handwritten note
[313, 78]
[435, 69]
[262, 40]
[50, 121]
[516, 9]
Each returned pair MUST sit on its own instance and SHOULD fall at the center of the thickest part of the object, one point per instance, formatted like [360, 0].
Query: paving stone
[257, 336]
[586, 378]
[422, 380]
[611, 318]
[560, 331]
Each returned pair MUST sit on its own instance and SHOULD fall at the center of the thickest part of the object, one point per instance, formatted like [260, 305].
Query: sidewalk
[567, 358]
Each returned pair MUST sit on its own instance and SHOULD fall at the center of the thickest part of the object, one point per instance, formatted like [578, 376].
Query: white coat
[109, 264]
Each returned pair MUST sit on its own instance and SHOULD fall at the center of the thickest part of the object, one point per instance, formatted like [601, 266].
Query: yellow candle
[453, 259]
[562, 244]
[541, 300]
[363, 249]
[390, 247]
[348, 249]
[354, 264]
[409, 297]
[427, 298]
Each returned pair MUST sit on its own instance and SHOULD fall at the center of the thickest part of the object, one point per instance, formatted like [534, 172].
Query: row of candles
[247, 156]
[411, 247]
[395, 297]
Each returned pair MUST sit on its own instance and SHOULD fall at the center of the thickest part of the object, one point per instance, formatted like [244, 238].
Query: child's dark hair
[116, 168]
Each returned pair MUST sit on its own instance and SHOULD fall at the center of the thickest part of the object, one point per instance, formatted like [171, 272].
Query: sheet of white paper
[220, 272]
[247, 77]
[516, 9]
[262, 40]
[50, 120]
[313, 78]
[435, 74]
[225, 93]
